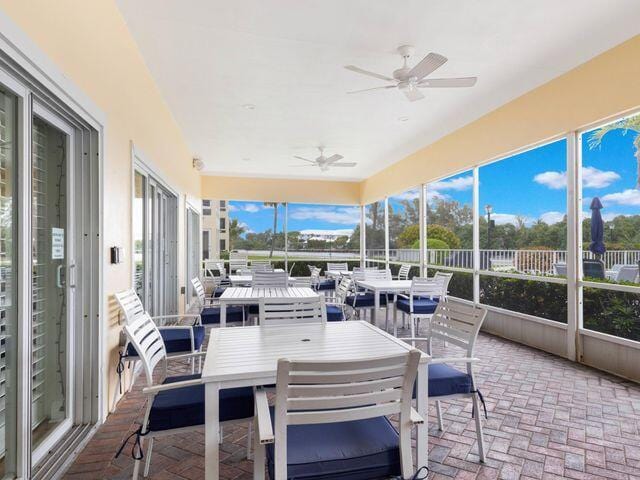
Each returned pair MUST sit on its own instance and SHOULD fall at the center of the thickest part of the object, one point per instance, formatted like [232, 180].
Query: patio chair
[220, 281]
[261, 267]
[300, 282]
[593, 268]
[361, 299]
[560, 269]
[627, 273]
[330, 419]
[176, 405]
[337, 304]
[458, 324]
[338, 267]
[423, 299]
[403, 273]
[320, 284]
[178, 339]
[210, 308]
[283, 311]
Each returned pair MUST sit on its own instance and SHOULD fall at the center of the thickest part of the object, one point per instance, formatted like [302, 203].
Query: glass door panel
[8, 281]
[139, 256]
[50, 388]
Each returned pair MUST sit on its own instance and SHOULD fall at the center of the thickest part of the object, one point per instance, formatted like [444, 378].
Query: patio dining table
[248, 356]
[251, 296]
[379, 287]
[239, 280]
[337, 275]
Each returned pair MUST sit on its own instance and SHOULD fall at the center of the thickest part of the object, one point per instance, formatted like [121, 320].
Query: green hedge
[615, 313]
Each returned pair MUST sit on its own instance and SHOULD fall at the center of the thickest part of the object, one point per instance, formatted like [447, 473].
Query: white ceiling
[211, 57]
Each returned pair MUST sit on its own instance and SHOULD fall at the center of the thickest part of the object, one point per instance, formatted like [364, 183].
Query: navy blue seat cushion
[446, 380]
[357, 450]
[176, 340]
[254, 309]
[211, 315]
[326, 285]
[184, 407]
[366, 300]
[423, 306]
[334, 313]
[218, 291]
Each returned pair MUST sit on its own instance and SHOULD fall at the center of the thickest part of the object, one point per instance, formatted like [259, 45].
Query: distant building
[325, 235]
[215, 228]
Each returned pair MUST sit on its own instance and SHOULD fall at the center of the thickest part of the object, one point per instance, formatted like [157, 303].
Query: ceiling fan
[325, 162]
[409, 80]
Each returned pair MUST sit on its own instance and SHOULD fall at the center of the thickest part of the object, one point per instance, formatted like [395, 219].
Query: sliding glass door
[155, 244]
[52, 277]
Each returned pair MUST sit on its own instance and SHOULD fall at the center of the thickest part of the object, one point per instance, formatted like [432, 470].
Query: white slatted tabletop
[250, 296]
[379, 287]
[246, 279]
[248, 356]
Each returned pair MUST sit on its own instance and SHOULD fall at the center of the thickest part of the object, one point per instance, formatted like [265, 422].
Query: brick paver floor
[548, 418]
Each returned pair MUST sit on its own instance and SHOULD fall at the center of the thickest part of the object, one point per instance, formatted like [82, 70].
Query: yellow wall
[276, 190]
[89, 42]
[604, 86]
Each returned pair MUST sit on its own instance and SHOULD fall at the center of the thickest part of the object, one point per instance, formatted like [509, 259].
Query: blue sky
[531, 185]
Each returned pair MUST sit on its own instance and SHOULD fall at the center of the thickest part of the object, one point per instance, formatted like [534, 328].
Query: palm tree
[273, 205]
[627, 124]
[235, 232]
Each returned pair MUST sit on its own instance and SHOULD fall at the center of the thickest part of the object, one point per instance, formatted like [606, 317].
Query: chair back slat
[344, 287]
[457, 323]
[283, 311]
[403, 273]
[338, 267]
[264, 279]
[130, 304]
[377, 274]
[199, 289]
[145, 337]
[324, 392]
[301, 282]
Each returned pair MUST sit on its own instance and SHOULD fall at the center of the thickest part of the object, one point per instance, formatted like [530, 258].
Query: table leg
[223, 314]
[376, 306]
[211, 431]
[422, 404]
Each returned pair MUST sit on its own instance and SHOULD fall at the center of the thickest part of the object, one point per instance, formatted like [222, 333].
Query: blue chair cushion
[326, 285]
[357, 450]
[446, 380]
[366, 300]
[184, 407]
[334, 313]
[211, 315]
[423, 306]
[254, 309]
[218, 291]
[176, 340]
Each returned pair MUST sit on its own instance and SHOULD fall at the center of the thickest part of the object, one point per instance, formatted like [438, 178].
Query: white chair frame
[403, 273]
[325, 392]
[133, 309]
[340, 267]
[459, 324]
[283, 311]
[340, 295]
[205, 302]
[265, 279]
[145, 336]
[432, 287]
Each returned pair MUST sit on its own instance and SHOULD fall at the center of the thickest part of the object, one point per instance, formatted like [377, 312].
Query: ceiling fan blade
[374, 88]
[448, 82]
[306, 160]
[362, 71]
[334, 158]
[427, 65]
[345, 164]
[412, 94]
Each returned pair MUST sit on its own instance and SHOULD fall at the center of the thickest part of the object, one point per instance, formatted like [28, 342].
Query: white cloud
[552, 217]
[247, 228]
[591, 178]
[606, 216]
[408, 195]
[504, 218]
[456, 184]
[631, 196]
[553, 180]
[251, 208]
[339, 215]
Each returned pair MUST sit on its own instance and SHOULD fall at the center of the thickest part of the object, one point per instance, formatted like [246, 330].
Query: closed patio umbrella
[597, 228]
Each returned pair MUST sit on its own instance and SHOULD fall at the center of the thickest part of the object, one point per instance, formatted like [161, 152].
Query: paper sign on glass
[57, 243]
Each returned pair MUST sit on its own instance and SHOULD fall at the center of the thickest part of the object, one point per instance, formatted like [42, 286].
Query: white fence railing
[537, 262]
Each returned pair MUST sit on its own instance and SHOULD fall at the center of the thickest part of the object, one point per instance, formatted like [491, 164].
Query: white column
[363, 237]
[286, 237]
[422, 211]
[574, 245]
[476, 236]
[386, 232]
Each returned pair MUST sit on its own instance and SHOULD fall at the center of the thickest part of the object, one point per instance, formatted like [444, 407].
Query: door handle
[72, 278]
[59, 283]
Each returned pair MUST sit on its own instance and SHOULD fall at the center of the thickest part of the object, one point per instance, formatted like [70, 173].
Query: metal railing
[529, 261]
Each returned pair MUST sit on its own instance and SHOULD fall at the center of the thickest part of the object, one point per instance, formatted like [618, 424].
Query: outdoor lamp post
[612, 227]
[488, 209]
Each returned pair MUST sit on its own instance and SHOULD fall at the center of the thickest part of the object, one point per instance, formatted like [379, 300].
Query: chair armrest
[170, 386]
[416, 418]
[413, 339]
[265, 430]
[183, 356]
[402, 295]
